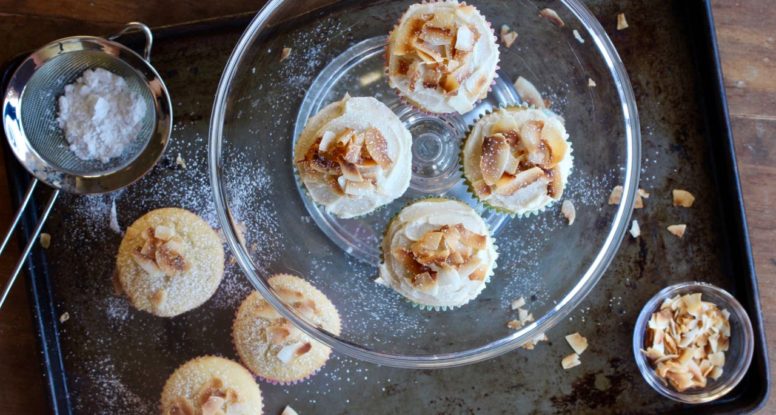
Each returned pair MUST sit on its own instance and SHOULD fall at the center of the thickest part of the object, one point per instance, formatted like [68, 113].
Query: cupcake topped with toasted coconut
[269, 345]
[169, 262]
[211, 385]
[438, 253]
[442, 56]
[517, 160]
[354, 156]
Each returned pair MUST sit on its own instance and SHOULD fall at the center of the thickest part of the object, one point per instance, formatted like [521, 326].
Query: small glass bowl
[737, 358]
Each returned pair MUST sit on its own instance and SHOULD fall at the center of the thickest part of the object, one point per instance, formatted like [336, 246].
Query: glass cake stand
[272, 225]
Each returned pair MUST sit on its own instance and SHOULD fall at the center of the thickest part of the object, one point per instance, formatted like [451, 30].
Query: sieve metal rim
[67, 181]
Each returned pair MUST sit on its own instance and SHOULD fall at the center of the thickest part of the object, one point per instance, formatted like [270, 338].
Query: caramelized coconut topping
[433, 50]
[686, 341]
[448, 247]
[283, 337]
[349, 161]
[514, 158]
[212, 399]
[162, 252]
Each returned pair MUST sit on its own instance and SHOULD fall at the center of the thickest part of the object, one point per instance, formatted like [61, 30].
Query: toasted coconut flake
[284, 54]
[577, 36]
[577, 342]
[635, 229]
[113, 223]
[622, 24]
[508, 36]
[293, 350]
[683, 198]
[288, 410]
[569, 211]
[464, 39]
[591, 83]
[529, 345]
[529, 93]
[514, 324]
[570, 361]
[518, 303]
[66, 316]
[180, 162]
[495, 157]
[552, 16]
[615, 197]
[377, 147]
[524, 316]
[45, 240]
[508, 185]
[678, 230]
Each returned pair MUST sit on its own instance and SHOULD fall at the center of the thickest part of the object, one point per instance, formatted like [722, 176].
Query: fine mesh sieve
[30, 122]
[39, 110]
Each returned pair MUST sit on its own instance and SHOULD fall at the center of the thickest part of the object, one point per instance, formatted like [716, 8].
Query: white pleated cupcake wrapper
[470, 186]
[408, 101]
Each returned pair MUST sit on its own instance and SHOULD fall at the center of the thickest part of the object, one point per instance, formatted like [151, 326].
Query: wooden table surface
[747, 37]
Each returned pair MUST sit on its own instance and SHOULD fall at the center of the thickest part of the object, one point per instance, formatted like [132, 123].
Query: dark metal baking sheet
[109, 358]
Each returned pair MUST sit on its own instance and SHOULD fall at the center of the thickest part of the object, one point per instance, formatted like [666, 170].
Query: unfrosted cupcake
[211, 385]
[354, 156]
[270, 346]
[517, 160]
[442, 56]
[438, 253]
[169, 262]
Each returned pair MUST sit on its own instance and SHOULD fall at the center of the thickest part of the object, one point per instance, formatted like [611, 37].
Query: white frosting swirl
[381, 182]
[536, 195]
[462, 50]
[453, 285]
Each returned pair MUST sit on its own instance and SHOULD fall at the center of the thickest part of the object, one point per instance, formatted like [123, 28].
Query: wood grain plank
[747, 40]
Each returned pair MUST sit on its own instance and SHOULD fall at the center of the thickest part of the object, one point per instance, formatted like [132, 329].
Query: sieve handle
[138, 27]
[32, 240]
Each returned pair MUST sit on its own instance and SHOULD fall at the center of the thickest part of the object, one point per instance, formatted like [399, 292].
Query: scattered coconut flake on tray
[113, 223]
[686, 341]
[570, 361]
[635, 229]
[677, 230]
[615, 197]
[552, 16]
[288, 410]
[530, 344]
[179, 161]
[591, 83]
[45, 240]
[622, 24]
[577, 342]
[577, 36]
[529, 93]
[508, 36]
[518, 303]
[64, 317]
[569, 211]
[683, 198]
[285, 53]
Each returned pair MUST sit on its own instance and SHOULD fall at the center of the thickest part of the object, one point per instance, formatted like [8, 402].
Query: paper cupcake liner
[499, 209]
[416, 105]
[277, 382]
[426, 307]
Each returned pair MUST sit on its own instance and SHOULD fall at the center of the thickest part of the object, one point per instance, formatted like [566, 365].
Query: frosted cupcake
[270, 346]
[354, 156]
[211, 385]
[442, 56]
[517, 160]
[438, 253]
[169, 262]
